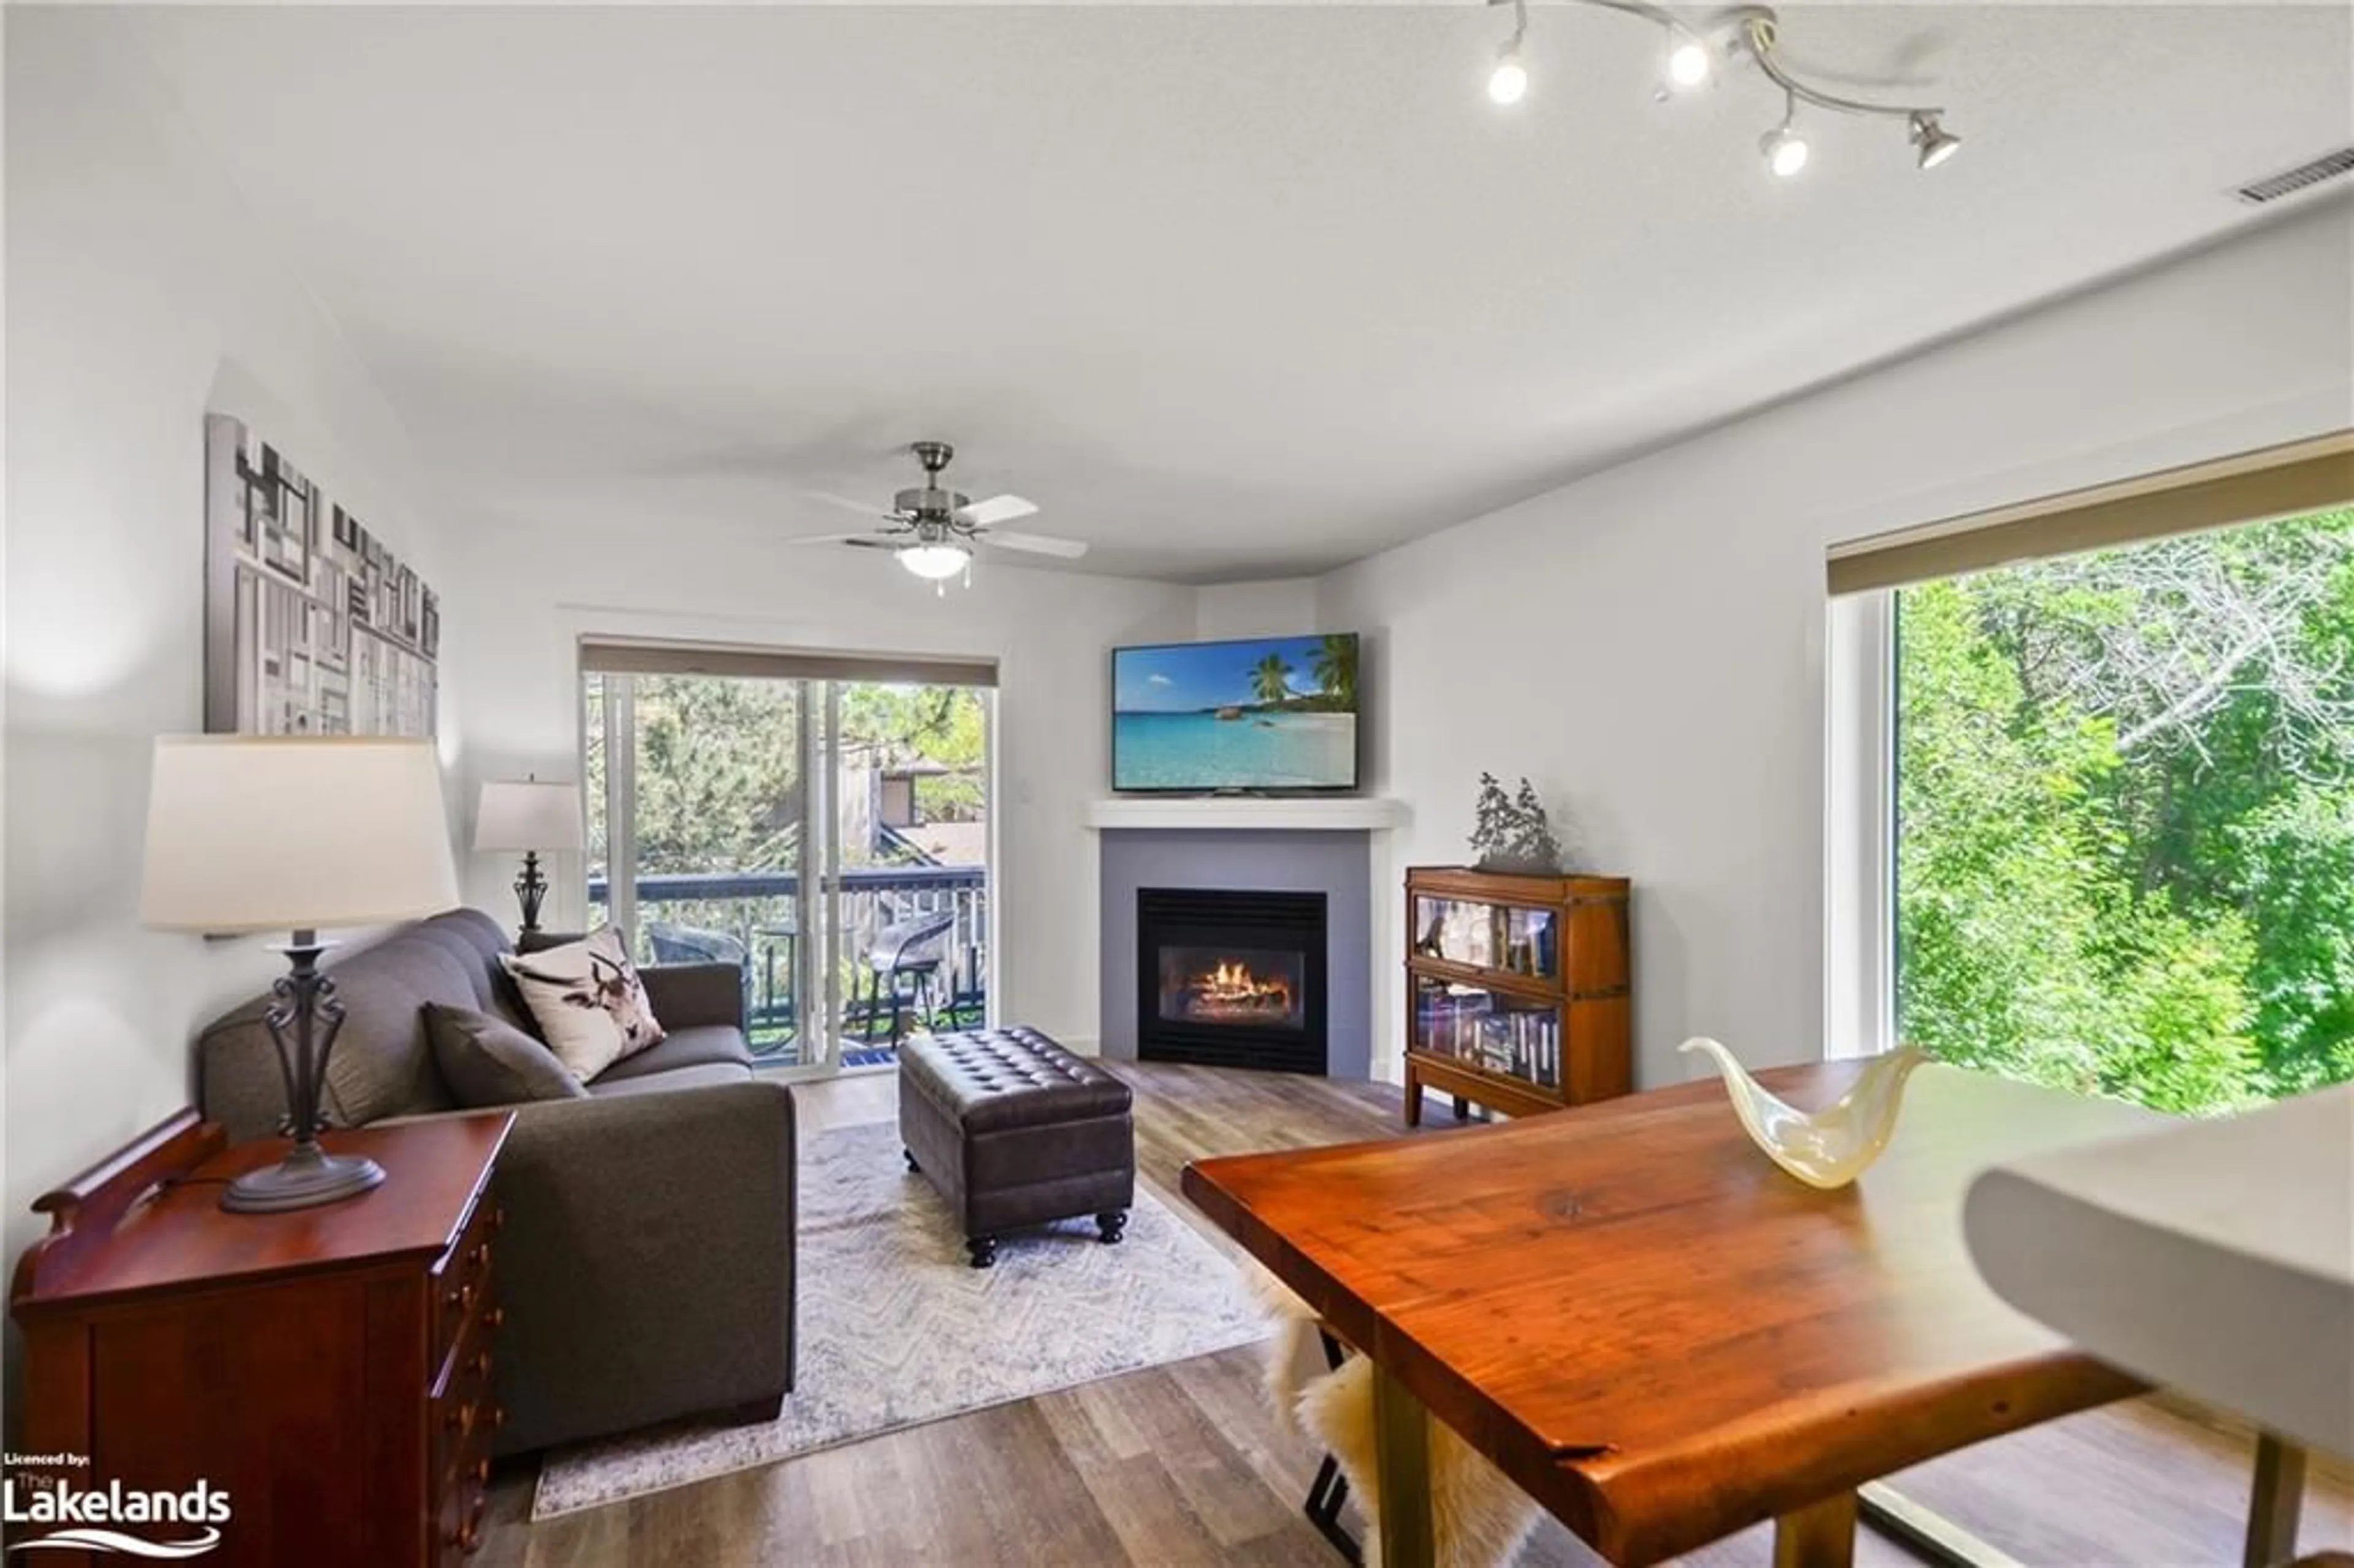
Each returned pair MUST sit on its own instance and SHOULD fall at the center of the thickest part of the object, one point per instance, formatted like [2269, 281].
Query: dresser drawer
[466, 1418]
[462, 1280]
[463, 1410]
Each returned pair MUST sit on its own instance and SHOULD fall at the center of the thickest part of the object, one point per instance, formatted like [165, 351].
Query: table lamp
[527, 815]
[271, 833]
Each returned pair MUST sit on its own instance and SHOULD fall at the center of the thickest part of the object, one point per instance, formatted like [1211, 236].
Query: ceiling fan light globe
[935, 563]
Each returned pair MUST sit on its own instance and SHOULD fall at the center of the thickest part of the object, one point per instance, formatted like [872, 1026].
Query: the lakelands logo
[85, 1519]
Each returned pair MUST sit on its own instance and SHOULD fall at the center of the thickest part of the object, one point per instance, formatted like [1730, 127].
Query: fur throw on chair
[1479, 1518]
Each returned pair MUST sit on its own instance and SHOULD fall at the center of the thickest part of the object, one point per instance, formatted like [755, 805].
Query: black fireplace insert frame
[1211, 917]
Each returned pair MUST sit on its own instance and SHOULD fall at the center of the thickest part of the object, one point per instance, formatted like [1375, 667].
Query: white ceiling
[1231, 292]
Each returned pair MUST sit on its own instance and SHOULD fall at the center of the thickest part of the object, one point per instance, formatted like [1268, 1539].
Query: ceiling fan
[932, 529]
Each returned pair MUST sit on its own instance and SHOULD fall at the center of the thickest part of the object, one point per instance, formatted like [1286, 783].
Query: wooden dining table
[1655, 1332]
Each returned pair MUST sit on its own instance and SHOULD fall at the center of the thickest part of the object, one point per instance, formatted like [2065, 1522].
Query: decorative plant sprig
[1510, 833]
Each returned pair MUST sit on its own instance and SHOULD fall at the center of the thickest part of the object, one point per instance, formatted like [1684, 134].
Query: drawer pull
[461, 1299]
[478, 1257]
[498, 1221]
[497, 1317]
[461, 1418]
[482, 1472]
[482, 1364]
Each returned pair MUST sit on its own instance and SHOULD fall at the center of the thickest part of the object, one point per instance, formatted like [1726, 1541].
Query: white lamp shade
[526, 814]
[271, 833]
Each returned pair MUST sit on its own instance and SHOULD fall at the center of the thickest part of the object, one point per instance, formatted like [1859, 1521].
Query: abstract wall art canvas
[312, 625]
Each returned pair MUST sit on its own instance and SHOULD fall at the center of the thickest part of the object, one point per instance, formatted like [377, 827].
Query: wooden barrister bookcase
[1517, 990]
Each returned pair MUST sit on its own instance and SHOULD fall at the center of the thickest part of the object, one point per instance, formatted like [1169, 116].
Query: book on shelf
[1466, 1023]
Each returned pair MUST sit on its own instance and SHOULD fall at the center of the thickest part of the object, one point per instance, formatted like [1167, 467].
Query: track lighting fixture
[1690, 60]
[1508, 82]
[1935, 144]
[1694, 51]
[1784, 149]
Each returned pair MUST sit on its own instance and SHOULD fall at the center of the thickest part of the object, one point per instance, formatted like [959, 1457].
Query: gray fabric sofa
[647, 1263]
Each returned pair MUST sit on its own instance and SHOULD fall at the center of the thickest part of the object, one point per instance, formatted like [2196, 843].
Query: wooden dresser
[329, 1369]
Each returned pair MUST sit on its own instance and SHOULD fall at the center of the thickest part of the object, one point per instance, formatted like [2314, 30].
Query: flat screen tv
[1275, 713]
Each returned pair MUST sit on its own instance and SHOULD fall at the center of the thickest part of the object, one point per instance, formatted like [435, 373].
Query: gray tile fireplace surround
[1337, 862]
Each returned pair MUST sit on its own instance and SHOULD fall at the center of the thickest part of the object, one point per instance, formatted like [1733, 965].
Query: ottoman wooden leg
[1111, 1224]
[983, 1250]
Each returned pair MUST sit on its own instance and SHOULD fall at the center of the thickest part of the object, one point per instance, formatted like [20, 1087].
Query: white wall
[140, 293]
[1647, 644]
[525, 592]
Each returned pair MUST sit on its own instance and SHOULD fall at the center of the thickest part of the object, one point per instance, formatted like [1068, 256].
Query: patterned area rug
[896, 1329]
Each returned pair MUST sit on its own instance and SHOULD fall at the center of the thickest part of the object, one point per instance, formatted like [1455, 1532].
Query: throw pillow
[588, 1000]
[489, 1062]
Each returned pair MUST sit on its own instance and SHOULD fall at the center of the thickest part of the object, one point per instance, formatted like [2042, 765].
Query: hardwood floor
[1186, 1464]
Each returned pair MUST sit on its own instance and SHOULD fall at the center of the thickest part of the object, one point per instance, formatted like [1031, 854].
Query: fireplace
[1231, 979]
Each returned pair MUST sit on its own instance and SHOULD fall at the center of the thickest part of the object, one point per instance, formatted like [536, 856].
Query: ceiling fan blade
[997, 509]
[1035, 543]
[864, 508]
[875, 541]
[827, 538]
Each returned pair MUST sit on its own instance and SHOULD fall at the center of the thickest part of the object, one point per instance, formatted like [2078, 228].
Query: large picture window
[2125, 816]
[2092, 786]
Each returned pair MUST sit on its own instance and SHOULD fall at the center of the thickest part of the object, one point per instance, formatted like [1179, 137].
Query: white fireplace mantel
[1228, 813]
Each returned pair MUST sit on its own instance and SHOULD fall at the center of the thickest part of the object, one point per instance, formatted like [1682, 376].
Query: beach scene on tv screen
[1276, 714]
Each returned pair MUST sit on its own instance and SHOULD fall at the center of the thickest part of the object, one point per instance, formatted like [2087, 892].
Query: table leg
[1820, 1535]
[2275, 1502]
[1402, 1461]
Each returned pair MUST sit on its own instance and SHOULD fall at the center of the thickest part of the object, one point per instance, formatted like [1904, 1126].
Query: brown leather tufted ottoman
[1014, 1131]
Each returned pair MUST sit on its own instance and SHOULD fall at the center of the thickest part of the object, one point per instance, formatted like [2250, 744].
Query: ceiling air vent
[2304, 176]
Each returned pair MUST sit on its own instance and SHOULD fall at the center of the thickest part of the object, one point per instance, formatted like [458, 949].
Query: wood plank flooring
[1186, 1464]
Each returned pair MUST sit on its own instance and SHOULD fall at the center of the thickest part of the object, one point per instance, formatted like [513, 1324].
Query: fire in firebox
[1230, 990]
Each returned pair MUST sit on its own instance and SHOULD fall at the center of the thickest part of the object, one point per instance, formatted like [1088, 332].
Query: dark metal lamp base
[302, 1183]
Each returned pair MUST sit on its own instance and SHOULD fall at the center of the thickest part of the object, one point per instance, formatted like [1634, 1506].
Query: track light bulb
[1689, 63]
[1784, 150]
[1508, 82]
[1935, 143]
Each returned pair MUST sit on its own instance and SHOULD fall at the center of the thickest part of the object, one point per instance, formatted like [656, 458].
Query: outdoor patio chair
[909, 950]
[674, 944]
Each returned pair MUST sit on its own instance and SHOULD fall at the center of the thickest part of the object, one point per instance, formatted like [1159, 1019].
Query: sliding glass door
[909, 764]
[830, 837]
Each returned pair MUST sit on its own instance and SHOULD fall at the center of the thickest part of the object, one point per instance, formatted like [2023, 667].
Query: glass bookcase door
[1484, 936]
[1489, 1028]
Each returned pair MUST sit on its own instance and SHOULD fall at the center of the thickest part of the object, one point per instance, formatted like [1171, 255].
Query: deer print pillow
[588, 1000]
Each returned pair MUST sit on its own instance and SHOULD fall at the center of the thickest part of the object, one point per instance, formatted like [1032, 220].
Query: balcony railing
[756, 920]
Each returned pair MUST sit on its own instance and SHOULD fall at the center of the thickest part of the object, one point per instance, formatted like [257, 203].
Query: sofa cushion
[383, 1062]
[590, 1005]
[479, 942]
[702, 1046]
[487, 1061]
[697, 1078]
